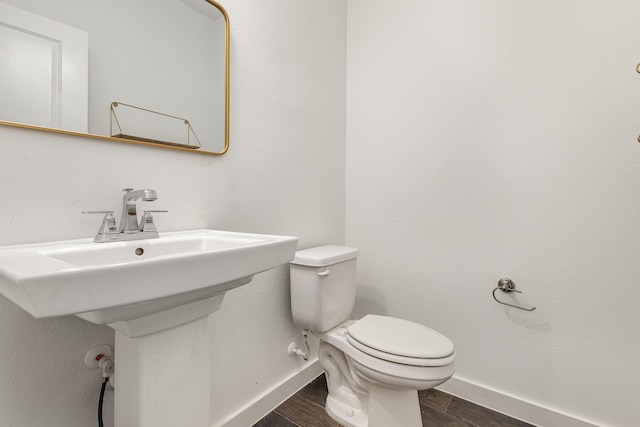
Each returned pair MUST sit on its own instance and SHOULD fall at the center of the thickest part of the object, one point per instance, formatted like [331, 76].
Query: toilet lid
[399, 337]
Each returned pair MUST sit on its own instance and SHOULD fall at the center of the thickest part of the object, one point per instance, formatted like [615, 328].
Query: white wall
[284, 174]
[498, 138]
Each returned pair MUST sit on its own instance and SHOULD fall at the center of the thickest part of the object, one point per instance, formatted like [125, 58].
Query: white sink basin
[133, 285]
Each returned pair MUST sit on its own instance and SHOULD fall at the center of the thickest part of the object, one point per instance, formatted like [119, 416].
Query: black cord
[104, 386]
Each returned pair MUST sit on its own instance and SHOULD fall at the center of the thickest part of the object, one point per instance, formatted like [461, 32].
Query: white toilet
[374, 366]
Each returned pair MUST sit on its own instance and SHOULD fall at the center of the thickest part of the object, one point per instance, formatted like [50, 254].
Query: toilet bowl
[374, 366]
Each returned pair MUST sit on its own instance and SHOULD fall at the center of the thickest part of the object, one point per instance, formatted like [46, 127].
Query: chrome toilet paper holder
[507, 285]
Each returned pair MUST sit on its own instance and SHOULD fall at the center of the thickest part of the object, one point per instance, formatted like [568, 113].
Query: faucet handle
[97, 212]
[108, 225]
[108, 217]
[147, 220]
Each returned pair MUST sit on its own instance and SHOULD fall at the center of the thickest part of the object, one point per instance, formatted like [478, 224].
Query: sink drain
[139, 251]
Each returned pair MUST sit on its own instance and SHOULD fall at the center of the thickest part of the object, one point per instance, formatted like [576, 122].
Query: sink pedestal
[162, 379]
[162, 366]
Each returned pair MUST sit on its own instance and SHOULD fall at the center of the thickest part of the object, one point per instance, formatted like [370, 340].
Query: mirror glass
[156, 71]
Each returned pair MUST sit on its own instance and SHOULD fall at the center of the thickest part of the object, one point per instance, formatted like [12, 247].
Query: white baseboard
[256, 410]
[513, 407]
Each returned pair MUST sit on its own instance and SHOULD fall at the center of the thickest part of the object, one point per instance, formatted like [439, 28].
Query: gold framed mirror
[168, 57]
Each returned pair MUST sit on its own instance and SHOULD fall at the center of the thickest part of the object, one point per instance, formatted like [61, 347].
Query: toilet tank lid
[323, 256]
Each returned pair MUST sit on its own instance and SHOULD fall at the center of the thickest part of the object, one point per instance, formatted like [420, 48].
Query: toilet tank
[323, 286]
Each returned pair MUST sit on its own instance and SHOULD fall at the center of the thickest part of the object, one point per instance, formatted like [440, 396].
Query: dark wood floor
[306, 409]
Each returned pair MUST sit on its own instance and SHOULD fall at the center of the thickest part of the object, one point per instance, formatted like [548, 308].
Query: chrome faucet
[129, 221]
[130, 228]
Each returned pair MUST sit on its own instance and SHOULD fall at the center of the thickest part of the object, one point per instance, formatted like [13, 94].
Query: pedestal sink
[157, 295]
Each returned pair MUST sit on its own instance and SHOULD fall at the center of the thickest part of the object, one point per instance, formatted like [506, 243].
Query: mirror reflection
[168, 57]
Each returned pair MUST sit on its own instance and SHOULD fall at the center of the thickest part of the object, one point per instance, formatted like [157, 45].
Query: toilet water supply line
[295, 351]
[106, 365]
[100, 357]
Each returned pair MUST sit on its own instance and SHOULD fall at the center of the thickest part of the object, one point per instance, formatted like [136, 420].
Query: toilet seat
[400, 341]
[389, 372]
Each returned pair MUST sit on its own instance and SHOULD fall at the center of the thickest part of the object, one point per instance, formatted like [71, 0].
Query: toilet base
[346, 415]
[393, 407]
[387, 407]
